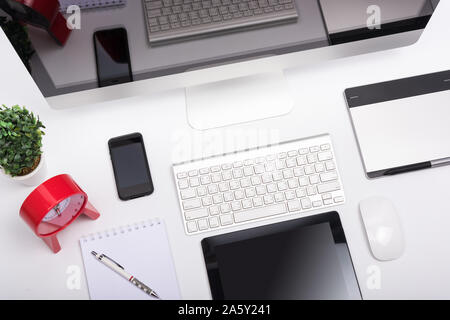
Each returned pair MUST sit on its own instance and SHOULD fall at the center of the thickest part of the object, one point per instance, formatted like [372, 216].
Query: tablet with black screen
[306, 258]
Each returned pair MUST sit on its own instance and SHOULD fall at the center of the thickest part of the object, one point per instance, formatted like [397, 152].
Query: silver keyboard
[253, 185]
[170, 20]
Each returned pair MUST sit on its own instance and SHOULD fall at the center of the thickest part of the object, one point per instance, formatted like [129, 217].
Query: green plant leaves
[20, 139]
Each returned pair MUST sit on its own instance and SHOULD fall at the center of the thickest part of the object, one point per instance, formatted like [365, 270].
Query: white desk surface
[76, 143]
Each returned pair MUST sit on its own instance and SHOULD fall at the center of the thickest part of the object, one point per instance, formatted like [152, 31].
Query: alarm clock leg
[53, 243]
[91, 212]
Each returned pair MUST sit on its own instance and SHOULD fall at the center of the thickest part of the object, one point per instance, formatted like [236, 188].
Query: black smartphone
[131, 169]
[112, 56]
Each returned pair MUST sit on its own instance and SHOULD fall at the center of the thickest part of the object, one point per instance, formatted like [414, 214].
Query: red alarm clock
[54, 205]
[40, 13]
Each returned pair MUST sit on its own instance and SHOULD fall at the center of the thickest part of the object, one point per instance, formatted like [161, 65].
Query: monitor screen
[168, 37]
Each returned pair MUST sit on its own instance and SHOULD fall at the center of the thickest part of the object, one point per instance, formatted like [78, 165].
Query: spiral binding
[112, 232]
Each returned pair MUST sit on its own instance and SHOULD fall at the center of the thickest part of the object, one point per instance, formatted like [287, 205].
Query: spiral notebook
[143, 250]
[91, 4]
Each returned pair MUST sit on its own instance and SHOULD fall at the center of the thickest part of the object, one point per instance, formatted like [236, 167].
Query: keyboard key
[269, 199]
[183, 184]
[260, 212]
[258, 201]
[217, 199]
[319, 167]
[326, 196]
[214, 210]
[317, 204]
[207, 201]
[224, 186]
[196, 214]
[314, 179]
[154, 13]
[289, 195]
[328, 176]
[292, 153]
[213, 188]
[301, 160]
[188, 194]
[306, 203]
[225, 208]
[300, 193]
[203, 224]
[271, 188]
[329, 187]
[239, 195]
[246, 204]
[215, 169]
[238, 173]
[205, 180]
[294, 205]
[226, 175]
[261, 190]
[246, 183]
[201, 192]
[330, 165]
[194, 182]
[226, 220]
[216, 178]
[227, 166]
[303, 181]
[279, 197]
[191, 226]
[324, 156]
[309, 169]
[236, 206]
[214, 222]
[314, 149]
[293, 183]
[256, 181]
[303, 151]
[193, 173]
[312, 158]
[311, 191]
[154, 22]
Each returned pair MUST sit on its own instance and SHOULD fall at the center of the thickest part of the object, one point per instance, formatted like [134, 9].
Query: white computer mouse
[383, 228]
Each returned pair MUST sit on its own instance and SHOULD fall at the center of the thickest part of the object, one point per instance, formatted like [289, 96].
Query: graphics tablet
[306, 258]
[402, 125]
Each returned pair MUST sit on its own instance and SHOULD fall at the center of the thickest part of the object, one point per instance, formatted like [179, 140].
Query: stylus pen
[120, 270]
[418, 166]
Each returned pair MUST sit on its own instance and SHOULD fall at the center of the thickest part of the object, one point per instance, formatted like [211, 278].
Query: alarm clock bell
[54, 205]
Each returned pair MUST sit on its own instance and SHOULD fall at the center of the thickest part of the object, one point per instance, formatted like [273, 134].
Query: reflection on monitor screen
[170, 36]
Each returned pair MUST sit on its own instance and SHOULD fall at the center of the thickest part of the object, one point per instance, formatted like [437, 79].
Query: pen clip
[104, 255]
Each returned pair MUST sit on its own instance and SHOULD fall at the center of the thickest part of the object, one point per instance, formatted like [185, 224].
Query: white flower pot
[33, 178]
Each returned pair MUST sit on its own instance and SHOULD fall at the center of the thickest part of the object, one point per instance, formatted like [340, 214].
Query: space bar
[259, 213]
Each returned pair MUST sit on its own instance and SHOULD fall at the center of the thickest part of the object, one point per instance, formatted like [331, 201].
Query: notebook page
[143, 250]
[90, 4]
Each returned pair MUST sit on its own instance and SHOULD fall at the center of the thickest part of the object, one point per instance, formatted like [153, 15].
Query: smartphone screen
[112, 56]
[130, 165]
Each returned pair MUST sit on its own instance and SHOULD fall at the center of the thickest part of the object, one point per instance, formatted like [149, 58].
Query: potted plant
[18, 36]
[21, 156]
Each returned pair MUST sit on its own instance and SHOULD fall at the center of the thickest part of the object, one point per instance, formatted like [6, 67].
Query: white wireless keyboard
[253, 185]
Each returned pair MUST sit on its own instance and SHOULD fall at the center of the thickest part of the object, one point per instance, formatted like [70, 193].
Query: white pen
[120, 270]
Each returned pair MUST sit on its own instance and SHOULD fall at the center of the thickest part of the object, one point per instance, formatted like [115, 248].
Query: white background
[76, 143]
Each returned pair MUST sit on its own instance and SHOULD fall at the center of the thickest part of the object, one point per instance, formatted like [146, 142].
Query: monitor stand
[238, 100]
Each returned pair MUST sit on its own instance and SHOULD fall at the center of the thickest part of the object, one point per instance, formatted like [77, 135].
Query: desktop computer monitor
[185, 43]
